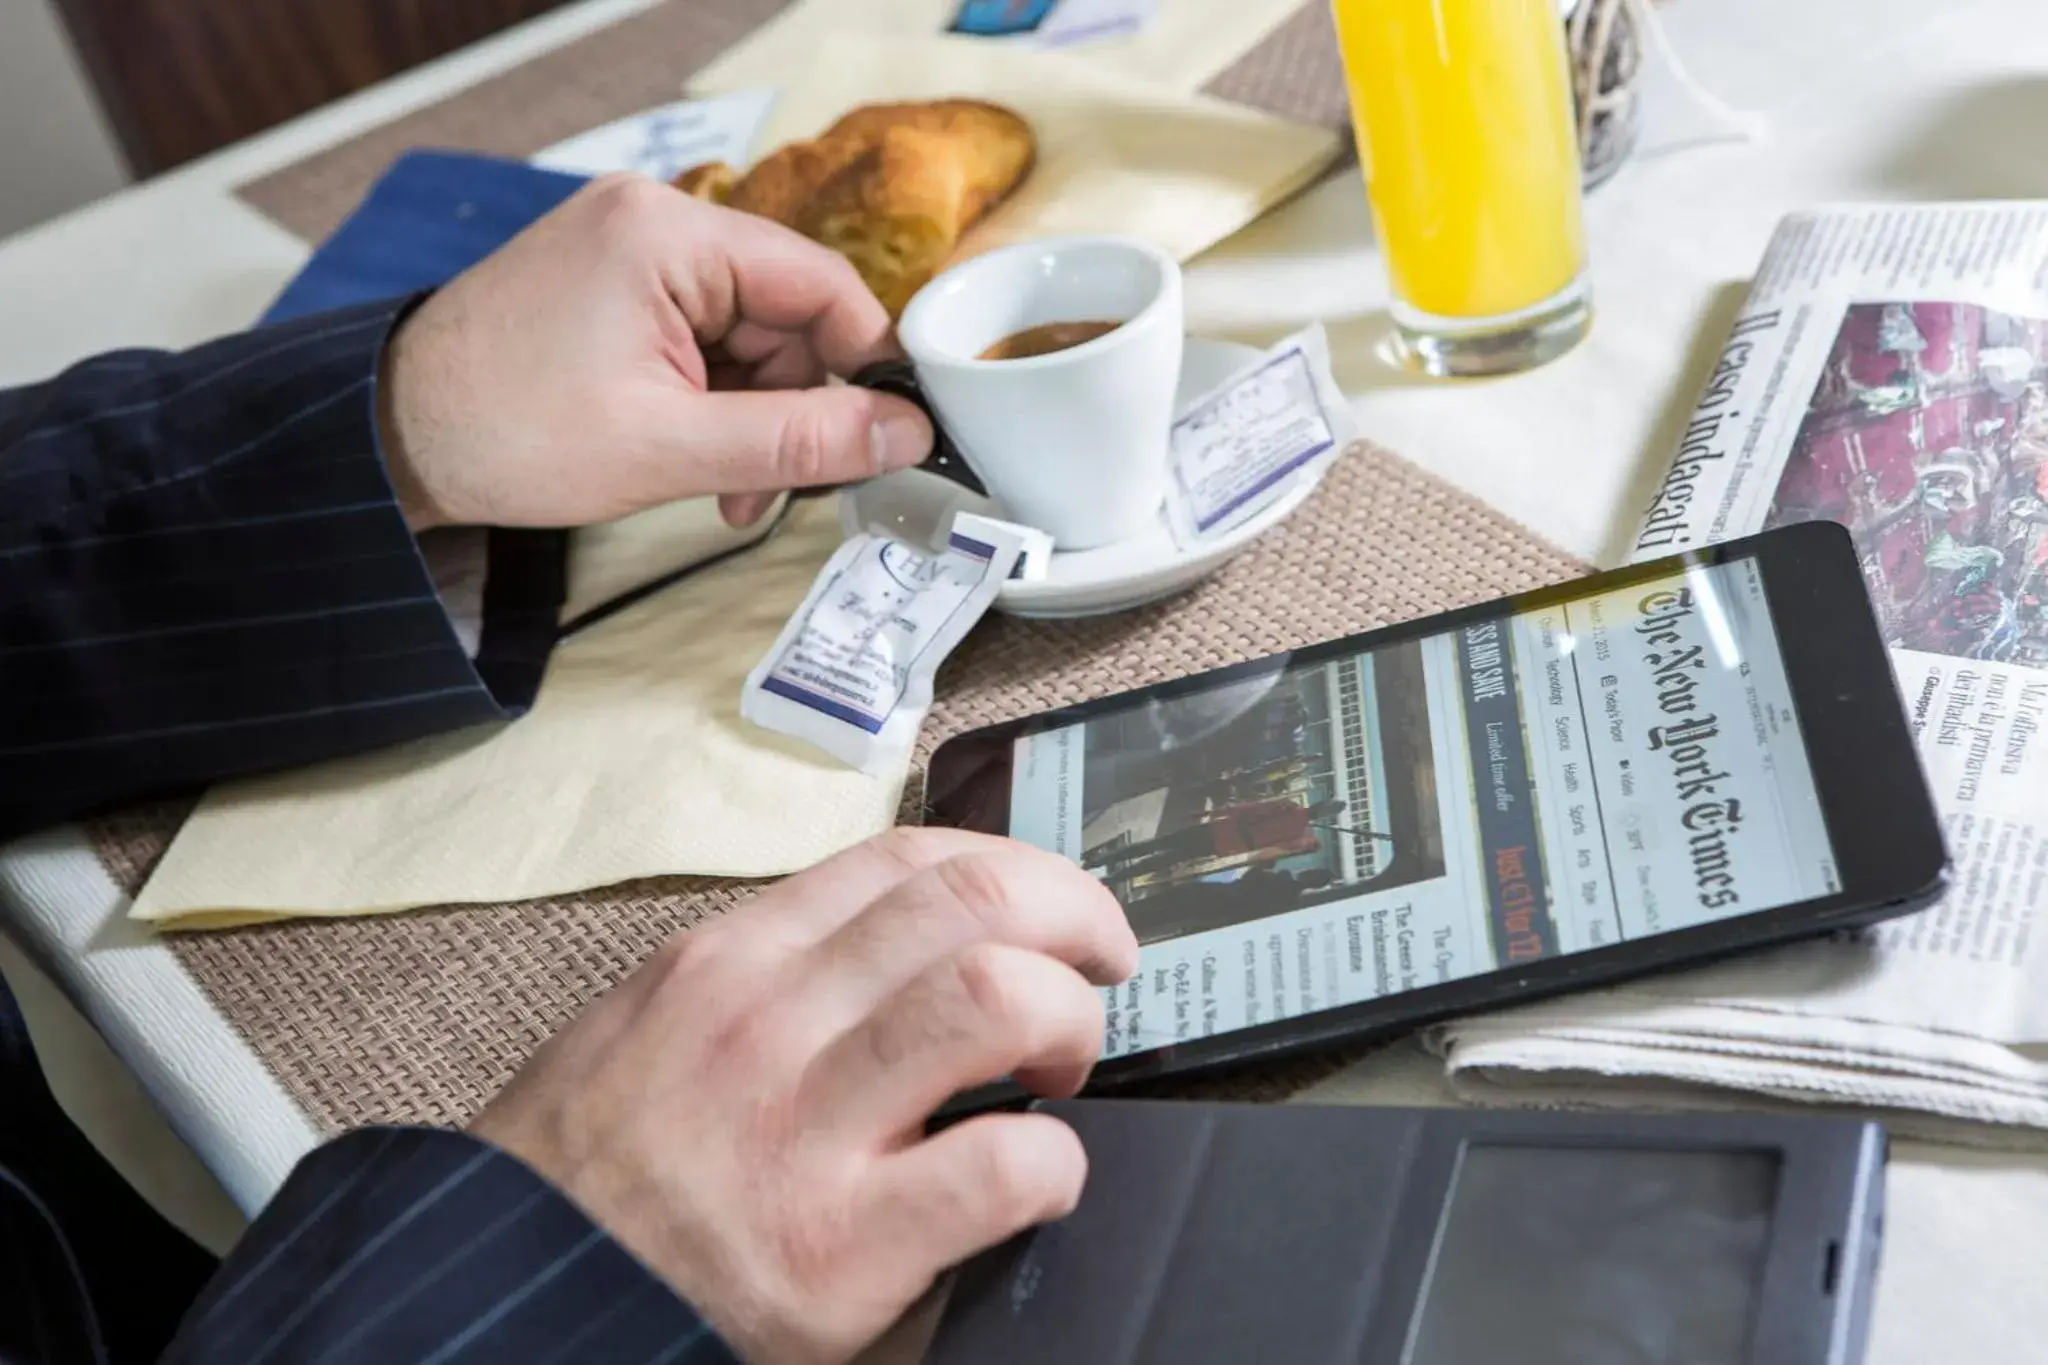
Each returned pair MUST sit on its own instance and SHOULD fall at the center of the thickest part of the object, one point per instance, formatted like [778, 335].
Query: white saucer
[1130, 573]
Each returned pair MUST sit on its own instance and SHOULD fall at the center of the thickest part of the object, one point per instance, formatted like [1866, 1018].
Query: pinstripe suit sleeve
[412, 1246]
[204, 573]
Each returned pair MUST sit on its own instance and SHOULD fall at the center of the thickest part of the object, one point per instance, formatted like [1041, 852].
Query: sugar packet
[851, 673]
[1240, 447]
[1034, 547]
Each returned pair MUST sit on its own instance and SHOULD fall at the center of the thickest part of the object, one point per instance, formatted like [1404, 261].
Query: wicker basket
[1607, 63]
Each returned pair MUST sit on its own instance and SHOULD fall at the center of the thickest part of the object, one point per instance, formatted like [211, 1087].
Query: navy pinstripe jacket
[204, 573]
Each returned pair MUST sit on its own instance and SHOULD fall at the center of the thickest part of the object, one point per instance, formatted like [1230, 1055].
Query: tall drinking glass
[1463, 110]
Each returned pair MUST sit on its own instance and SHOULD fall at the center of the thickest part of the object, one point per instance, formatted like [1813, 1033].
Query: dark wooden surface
[182, 77]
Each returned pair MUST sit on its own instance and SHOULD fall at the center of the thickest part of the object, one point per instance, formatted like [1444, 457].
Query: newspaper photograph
[1328, 832]
[1245, 814]
[1927, 436]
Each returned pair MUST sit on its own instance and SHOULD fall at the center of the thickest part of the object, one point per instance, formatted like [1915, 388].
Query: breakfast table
[1854, 99]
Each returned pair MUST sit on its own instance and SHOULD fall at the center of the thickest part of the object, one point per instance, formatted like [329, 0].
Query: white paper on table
[666, 141]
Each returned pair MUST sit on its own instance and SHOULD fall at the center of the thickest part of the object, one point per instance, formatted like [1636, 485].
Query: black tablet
[1642, 769]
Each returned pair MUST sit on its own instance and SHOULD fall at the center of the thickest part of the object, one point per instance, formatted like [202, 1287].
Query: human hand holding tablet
[1648, 768]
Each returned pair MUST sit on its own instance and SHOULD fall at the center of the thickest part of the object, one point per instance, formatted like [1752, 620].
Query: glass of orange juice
[1463, 110]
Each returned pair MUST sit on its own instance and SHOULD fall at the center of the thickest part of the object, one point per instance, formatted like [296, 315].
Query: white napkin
[1633, 1047]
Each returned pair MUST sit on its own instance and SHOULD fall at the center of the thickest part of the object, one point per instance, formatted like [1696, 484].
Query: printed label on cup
[1242, 446]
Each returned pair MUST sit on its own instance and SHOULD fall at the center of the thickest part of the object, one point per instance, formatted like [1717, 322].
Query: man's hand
[747, 1112]
[633, 347]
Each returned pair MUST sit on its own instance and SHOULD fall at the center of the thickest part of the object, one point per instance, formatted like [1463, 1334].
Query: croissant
[713, 181]
[781, 184]
[892, 187]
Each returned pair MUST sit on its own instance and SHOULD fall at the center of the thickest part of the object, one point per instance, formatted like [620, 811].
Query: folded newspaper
[1888, 371]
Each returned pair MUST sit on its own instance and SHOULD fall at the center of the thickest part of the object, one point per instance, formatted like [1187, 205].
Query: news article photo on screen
[1323, 833]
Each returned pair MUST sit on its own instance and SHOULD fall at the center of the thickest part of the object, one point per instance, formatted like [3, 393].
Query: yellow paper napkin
[1114, 154]
[634, 761]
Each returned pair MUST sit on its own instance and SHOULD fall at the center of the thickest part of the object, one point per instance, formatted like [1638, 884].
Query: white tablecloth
[1874, 99]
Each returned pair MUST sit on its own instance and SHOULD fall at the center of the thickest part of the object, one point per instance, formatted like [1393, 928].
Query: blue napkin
[432, 216]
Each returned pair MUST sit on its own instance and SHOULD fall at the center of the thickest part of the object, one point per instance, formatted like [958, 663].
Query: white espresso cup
[1072, 442]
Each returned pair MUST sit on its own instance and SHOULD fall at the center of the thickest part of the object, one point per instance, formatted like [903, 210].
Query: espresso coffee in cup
[1046, 338]
[1052, 366]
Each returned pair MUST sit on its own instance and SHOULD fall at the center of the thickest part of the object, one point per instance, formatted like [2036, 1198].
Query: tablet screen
[1316, 835]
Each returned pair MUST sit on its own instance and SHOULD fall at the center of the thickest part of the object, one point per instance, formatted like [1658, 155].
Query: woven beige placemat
[643, 61]
[421, 1017]
[1296, 72]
